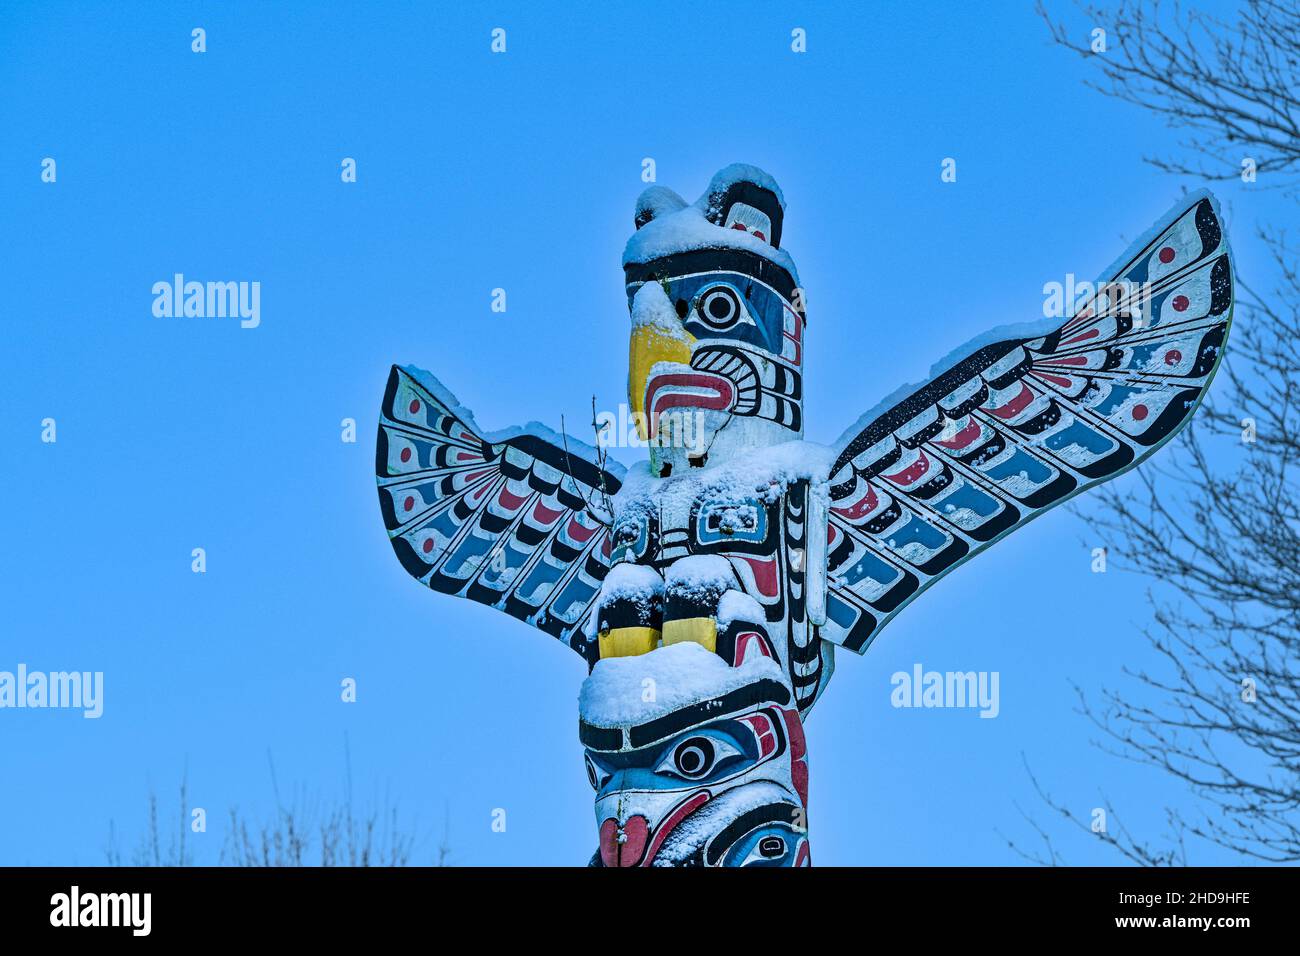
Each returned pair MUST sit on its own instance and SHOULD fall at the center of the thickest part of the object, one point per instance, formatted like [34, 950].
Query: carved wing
[515, 522]
[1023, 424]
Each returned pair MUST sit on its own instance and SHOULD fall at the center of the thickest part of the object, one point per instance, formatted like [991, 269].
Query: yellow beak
[652, 344]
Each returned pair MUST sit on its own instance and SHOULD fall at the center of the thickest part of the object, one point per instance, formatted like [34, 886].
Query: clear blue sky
[519, 171]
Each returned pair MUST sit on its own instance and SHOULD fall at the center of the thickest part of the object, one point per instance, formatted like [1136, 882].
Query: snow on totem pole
[708, 587]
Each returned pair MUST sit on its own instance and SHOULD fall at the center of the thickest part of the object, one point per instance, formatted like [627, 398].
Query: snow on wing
[504, 523]
[1021, 425]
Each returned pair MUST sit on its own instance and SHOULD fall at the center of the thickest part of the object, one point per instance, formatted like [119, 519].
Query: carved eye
[719, 307]
[696, 757]
[769, 849]
[693, 758]
[595, 776]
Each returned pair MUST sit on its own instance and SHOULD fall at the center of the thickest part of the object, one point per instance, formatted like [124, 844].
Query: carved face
[715, 364]
[711, 771]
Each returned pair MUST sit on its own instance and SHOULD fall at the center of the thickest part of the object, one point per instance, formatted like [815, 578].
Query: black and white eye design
[696, 757]
[595, 776]
[719, 307]
[693, 758]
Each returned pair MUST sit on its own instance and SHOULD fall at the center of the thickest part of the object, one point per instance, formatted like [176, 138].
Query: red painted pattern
[763, 733]
[794, 728]
[912, 473]
[509, 501]
[579, 532]
[664, 392]
[797, 337]
[1056, 380]
[630, 852]
[747, 642]
[680, 813]
[969, 432]
[765, 575]
[798, 754]
[544, 515]
[860, 508]
[799, 777]
[1016, 405]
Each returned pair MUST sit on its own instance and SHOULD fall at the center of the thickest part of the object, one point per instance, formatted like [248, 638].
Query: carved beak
[651, 346]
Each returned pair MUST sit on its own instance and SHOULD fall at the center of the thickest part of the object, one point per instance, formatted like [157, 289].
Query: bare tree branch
[1217, 521]
[1235, 87]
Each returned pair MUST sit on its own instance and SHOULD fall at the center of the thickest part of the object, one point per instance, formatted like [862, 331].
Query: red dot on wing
[1173, 357]
[406, 454]
[415, 405]
[1139, 412]
[1167, 255]
[428, 545]
[409, 503]
[1180, 303]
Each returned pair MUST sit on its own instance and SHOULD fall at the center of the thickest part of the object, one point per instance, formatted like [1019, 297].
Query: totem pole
[707, 587]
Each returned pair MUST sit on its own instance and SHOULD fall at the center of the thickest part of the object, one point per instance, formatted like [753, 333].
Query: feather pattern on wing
[1021, 425]
[519, 523]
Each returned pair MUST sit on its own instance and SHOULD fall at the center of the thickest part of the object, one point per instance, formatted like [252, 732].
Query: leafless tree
[305, 830]
[1233, 86]
[152, 849]
[1217, 522]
